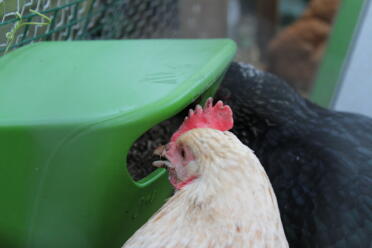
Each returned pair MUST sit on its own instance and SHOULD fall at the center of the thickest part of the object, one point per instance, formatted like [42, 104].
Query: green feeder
[69, 113]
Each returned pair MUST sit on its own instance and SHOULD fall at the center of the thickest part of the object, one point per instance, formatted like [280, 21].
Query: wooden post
[267, 16]
[203, 18]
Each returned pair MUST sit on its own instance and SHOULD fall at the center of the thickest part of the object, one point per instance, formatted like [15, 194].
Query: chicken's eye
[182, 153]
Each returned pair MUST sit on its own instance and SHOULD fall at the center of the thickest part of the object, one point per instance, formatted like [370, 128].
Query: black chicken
[319, 161]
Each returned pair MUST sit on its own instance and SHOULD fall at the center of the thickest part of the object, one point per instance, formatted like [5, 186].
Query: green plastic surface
[69, 113]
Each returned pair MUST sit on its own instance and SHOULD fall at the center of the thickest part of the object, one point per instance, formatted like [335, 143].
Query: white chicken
[223, 196]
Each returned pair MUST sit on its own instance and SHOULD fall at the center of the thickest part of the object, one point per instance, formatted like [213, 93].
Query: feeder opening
[140, 156]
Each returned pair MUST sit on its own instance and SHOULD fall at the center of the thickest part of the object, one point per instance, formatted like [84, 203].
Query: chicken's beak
[160, 151]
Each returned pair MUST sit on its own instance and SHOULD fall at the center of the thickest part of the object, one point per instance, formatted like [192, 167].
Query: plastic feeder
[69, 113]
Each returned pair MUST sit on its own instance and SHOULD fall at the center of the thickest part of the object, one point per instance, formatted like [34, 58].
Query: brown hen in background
[295, 52]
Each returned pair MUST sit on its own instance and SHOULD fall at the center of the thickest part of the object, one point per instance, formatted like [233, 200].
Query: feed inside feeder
[71, 118]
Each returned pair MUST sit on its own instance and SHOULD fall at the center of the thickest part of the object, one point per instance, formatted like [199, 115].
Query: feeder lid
[54, 82]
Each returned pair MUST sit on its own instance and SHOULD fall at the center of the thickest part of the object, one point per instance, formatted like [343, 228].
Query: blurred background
[285, 37]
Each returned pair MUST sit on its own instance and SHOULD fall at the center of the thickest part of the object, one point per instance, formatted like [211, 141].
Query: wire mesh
[85, 19]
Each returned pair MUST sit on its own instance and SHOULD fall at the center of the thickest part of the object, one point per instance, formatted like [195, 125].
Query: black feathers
[319, 161]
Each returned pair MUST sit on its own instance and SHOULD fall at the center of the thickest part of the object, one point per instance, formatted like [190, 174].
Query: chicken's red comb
[217, 117]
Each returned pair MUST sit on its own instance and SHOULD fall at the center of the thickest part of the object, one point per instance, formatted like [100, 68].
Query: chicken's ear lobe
[218, 117]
